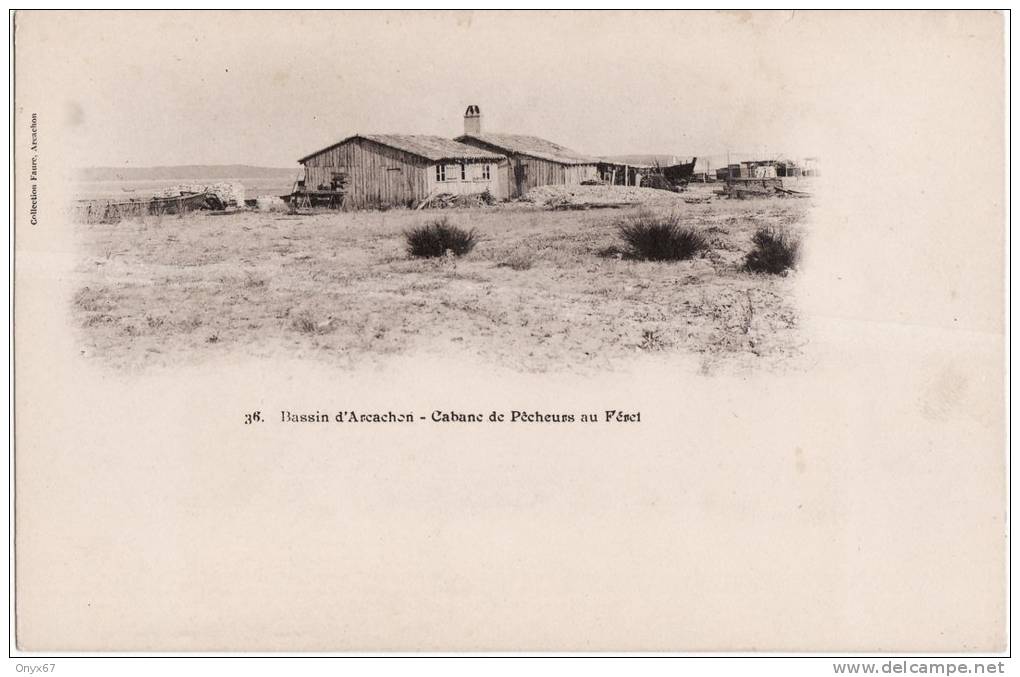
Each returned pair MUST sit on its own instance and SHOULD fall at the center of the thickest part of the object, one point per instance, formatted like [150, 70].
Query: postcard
[510, 331]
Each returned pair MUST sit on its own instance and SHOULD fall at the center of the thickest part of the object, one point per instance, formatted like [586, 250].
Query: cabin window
[485, 172]
[440, 172]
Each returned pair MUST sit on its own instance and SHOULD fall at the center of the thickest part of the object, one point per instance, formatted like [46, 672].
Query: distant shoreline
[123, 188]
[185, 172]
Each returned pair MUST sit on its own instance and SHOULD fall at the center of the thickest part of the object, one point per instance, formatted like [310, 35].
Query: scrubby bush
[775, 251]
[658, 238]
[438, 237]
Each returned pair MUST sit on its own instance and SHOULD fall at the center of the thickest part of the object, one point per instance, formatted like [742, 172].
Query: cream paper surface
[853, 501]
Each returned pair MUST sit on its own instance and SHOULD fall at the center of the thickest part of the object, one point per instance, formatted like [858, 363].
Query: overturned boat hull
[679, 174]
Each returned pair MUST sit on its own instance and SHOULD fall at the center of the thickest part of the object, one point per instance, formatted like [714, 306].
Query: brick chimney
[473, 120]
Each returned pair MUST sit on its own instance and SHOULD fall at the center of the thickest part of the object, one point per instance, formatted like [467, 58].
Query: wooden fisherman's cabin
[367, 171]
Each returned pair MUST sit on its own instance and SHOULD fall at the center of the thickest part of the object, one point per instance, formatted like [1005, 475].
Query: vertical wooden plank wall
[376, 175]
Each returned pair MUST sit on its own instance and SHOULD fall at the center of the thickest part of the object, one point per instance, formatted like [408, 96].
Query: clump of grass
[306, 323]
[611, 252]
[518, 259]
[438, 237]
[661, 238]
[97, 319]
[303, 323]
[253, 281]
[90, 300]
[189, 324]
[775, 251]
[652, 339]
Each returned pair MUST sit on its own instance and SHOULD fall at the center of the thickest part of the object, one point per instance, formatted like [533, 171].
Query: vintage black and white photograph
[507, 246]
[412, 206]
[516, 330]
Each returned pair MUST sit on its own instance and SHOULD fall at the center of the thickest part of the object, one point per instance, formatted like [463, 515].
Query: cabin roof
[432, 148]
[532, 146]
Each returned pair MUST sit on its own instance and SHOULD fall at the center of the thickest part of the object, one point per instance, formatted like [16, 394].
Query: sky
[160, 88]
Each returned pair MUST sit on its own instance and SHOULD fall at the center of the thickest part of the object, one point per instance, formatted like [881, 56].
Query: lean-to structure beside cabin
[367, 171]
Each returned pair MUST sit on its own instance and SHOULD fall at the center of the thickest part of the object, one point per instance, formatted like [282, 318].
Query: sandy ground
[538, 293]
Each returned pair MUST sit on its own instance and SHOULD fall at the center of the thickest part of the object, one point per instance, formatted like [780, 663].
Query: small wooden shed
[390, 170]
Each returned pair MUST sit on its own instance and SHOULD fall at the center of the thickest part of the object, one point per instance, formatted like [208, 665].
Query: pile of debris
[268, 203]
[229, 194]
[111, 211]
[599, 197]
[741, 188]
[451, 201]
[659, 182]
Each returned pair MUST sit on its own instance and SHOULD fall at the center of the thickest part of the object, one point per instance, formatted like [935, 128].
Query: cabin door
[520, 177]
